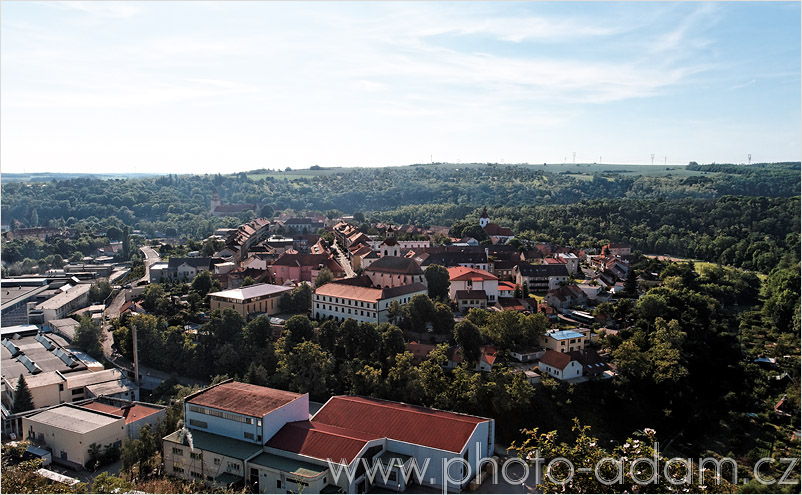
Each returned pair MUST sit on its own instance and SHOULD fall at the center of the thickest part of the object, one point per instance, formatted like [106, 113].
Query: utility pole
[136, 356]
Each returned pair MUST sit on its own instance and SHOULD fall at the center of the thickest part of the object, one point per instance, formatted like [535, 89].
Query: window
[178, 451]
[77, 391]
[177, 469]
[61, 387]
[196, 474]
[197, 456]
[278, 483]
[249, 435]
[216, 461]
[198, 423]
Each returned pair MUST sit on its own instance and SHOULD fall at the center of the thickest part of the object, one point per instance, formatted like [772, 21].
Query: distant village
[274, 439]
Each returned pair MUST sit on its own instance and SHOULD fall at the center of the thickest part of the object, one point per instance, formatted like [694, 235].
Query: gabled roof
[419, 351]
[197, 263]
[460, 273]
[366, 293]
[132, 413]
[417, 425]
[242, 398]
[320, 440]
[395, 265]
[470, 294]
[301, 259]
[556, 359]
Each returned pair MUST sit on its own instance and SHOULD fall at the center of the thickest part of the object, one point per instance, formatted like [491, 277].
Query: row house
[540, 278]
[357, 299]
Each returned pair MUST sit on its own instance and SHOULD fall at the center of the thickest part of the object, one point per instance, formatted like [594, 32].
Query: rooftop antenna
[652, 158]
[749, 157]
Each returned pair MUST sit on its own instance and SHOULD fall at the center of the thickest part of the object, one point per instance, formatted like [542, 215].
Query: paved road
[343, 260]
[151, 256]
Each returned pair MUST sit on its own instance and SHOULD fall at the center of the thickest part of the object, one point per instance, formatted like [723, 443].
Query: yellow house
[259, 298]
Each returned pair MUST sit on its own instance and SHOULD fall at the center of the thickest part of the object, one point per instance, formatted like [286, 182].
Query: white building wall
[222, 426]
[297, 410]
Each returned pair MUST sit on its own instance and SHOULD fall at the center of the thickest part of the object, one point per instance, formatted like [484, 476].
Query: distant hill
[49, 176]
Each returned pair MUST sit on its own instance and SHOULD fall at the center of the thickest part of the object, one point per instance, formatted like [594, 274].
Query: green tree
[88, 336]
[324, 276]
[438, 282]
[108, 483]
[467, 336]
[23, 400]
[306, 368]
[247, 281]
[203, 283]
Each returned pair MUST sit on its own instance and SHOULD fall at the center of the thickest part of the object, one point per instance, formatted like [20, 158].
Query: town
[276, 355]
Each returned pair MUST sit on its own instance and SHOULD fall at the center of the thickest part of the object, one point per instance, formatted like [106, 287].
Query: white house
[560, 365]
[473, 279]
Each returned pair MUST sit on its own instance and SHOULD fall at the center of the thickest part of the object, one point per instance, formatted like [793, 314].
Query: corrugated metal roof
[258, 290]
[243, 398]
[441, 430]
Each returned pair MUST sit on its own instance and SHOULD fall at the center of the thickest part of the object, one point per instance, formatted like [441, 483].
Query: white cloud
[120, 9]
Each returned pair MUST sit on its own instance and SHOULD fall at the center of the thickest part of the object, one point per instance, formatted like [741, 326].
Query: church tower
[484, 219]
[390, 245]
[214, 203]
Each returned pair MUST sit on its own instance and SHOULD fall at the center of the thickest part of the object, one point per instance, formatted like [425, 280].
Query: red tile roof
[403, 422]
[556, 359]
[320, 441]
[459, 273]
[131, 414]
[242, 398]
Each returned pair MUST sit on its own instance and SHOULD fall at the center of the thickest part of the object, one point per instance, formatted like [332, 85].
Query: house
[389, 246]
[304, 267]
[420, 352]
[506, 289]
[362, 256]
[521, 305]
[466, 283]
[236, 432]
[560, 365]
[503, 269]
[254, 299]
[68, 431]
[356, 298]
[487, 357]
[564, 340]
[186, 269]
[246, 235]
[394, 271]
[304, 225]
[540, 278]
[617, 249]
[566, 296]
[525, 355]
[571, 261]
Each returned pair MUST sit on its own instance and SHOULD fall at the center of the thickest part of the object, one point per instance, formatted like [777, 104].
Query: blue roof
[565, 334]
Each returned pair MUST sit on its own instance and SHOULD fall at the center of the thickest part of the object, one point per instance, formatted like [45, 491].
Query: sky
[206, 87]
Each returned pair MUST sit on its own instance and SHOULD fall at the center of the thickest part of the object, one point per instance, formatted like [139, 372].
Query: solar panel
[14, 350]
[68, 359]
[44, 341]
[32, 367]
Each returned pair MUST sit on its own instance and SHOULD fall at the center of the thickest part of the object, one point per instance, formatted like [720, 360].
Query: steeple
[484, 219]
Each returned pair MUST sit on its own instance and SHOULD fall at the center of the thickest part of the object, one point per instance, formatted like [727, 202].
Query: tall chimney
[136, 357]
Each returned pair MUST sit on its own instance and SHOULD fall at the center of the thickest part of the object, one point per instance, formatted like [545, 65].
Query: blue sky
[202, 87]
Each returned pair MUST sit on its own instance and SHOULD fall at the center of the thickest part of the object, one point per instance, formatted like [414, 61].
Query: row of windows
[198, 423]
[360, 312]
[348, 302]
[221, 414]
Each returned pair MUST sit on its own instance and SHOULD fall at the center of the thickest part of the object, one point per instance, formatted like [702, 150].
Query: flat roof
[111, 388]
[202, 440]
[564, 334]
[258, 290]
[75, 419]
[60, 300]
[45, 359]
[243, 398]
[10, 296]
[286, 465]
